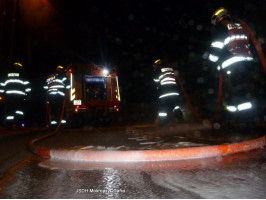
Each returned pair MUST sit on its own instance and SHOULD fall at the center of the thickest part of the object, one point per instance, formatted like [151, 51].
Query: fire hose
[218, 104]
[255, 42]
[41, 150]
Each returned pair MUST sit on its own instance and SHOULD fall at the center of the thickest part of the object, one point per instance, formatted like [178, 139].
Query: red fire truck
[94, 94]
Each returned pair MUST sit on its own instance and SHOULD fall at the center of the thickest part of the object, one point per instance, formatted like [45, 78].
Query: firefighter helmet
[59, 68]
[157, 63]
[17, 65]
[218, 15]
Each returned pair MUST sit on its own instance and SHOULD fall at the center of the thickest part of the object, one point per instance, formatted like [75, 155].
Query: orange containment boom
[157, 155]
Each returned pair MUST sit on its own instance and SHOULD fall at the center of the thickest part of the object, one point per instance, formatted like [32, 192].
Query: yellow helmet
[59, 68]
[157, 63]
[218, 15]
[17, 65]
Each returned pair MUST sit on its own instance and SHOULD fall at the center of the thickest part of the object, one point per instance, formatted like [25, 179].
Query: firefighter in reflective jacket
[168, 92]
[15, 89]
[231, 52]
[57, 86]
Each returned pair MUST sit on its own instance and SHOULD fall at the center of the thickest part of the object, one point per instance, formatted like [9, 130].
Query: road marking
[8, 175]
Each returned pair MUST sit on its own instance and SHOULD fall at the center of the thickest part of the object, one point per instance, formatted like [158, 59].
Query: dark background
[128, 34]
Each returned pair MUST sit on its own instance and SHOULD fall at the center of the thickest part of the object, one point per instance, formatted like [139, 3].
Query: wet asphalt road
[147, 136]
[235, 176]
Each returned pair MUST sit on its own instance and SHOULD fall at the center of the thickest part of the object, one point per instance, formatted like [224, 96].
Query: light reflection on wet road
[235, 176]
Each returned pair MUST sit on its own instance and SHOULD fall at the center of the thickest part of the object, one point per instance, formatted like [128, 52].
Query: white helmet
[218, 15]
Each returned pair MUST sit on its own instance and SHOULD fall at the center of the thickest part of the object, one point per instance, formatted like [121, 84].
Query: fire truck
[94, 94]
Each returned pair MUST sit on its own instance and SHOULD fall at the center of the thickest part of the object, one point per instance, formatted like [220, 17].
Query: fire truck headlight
[105, 72]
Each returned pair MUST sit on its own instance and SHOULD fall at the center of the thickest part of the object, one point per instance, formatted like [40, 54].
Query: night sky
[128, 34]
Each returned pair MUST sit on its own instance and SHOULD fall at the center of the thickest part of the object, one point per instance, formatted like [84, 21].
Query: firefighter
[165, 79]
[231, 53]
[57, 85]
[15, 89]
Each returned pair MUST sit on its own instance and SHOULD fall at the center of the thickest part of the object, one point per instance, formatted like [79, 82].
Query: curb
[147, 155]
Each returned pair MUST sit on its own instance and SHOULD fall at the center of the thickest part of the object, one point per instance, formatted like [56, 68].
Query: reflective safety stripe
[166, 69]
[57, 86]
[162, 114]
[234, 38]
[15, 92]
[240, 107]
[13, 74]
[167, 73]
[169, 82]
[58, 80]
[28, 89]
[10, 117]
[2, 91]
[61, 93]
[15, 81]
[213, 58]
[231, 108]
[57, 92]
[218, 45]
[167, 79]
[19, 112]
[177, 107]
[169, 94]
[156, 80]
[52, 90]
[63, 121]
[53, 122]
[235, 59]
[244, 106]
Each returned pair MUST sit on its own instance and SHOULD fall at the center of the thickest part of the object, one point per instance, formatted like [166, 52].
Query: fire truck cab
[94, 89]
